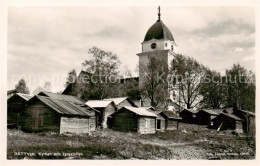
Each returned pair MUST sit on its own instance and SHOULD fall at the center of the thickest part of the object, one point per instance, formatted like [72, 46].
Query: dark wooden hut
[226, 121]
[60, 115]
[15, 105]
[171, 120]
[105, 108]
[188, 115]
[205, 116]
[249, 121]
[134, 119]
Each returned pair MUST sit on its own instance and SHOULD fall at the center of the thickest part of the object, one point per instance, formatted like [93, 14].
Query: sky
[45, 43]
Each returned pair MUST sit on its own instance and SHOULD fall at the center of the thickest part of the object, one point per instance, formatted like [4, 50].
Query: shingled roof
[209, 111]
[24, 96]
[232, 116]
[57, 96]
[65, 107]
[190, 110]
[171, 115]
[139, 111]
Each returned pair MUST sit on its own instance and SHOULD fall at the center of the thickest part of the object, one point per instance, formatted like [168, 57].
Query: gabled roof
[117, 100]
[25, 97]
[247, 112]
[209, 111]
[139, 111]
[98, 103]
[148, 108]
[61, 97]
[152, 110]
[232, 116]
[66, 107]
[171, 115]
[229, 110]
[190, 110]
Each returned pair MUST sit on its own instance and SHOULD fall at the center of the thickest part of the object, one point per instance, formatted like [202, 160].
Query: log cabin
[172, 119]
[226, 121]
[249, 121]
[133, 119]
[15, 105]
[105, 108]
[62, 116]
[188, 115]
[205, 116]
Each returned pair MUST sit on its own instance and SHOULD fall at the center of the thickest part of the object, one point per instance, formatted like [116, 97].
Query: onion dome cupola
[158, 37]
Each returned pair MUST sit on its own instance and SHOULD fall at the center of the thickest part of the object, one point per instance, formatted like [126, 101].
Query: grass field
[188, 142]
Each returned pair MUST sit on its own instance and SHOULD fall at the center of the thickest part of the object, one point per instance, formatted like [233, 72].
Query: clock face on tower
[153, 45]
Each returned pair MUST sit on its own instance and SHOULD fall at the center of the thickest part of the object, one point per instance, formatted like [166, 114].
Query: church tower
[159, 44]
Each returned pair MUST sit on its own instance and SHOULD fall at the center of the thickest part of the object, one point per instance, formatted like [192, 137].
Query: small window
[172, 47]
[165, 44]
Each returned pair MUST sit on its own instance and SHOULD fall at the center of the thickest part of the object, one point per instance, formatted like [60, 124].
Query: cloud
[53, 40]
[238, 49]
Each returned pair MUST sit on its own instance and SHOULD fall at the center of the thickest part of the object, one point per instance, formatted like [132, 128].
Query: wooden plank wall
[75, 125]
[124, 121]
[15, 105]
[39, 117]
[92, 124]
[146, 125]
[171, 124]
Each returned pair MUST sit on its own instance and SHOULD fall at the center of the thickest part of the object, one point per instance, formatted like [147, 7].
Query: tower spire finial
[159, 13]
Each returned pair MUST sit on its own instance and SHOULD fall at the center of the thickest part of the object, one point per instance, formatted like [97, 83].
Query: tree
[21, 87]
[240, 88]
[128, 86]
[47, 86]
[188, 74]
[72, 76]
[154, 86]
[103, 72]
[212, 89]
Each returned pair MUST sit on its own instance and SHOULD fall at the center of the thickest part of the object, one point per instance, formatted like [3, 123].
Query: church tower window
[153, 46]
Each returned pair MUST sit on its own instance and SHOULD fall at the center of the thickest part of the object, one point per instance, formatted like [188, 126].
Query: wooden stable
[48, 114]
[171, 120]
[249, 121]
[134, 119]
[188, 115]
[226, 121]
[15, 105]
[205, 116]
